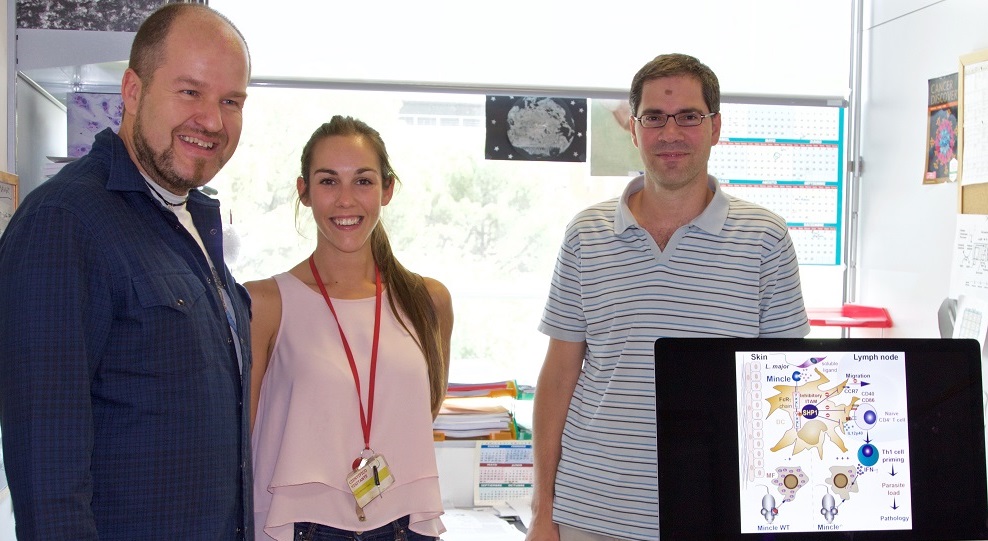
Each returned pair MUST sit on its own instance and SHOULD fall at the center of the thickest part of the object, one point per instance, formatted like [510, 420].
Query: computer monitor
[864, 439]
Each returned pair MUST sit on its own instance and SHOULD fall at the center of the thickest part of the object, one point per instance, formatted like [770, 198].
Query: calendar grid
[788, 159]
[504, 471]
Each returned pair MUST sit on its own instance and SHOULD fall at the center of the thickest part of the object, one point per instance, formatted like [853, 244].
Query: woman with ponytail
[351, 354]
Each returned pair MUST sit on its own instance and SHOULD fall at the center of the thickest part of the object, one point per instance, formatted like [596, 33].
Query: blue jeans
[396, 531]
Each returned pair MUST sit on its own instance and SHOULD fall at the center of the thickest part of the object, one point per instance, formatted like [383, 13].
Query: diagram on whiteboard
[969, 272]
[823, 442]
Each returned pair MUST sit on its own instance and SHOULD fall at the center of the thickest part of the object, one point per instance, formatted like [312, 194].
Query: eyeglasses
[657, 120]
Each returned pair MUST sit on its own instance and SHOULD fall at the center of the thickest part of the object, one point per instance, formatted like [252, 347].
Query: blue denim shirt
[123, 409]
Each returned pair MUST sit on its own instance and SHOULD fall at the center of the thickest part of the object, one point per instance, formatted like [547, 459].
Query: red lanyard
[365, 420]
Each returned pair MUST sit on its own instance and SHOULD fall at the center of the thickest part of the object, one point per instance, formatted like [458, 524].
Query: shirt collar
[711, 220]
[124, 174]
[623, 218]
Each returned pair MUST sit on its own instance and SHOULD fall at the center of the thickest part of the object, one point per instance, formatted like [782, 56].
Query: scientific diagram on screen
[823, 441]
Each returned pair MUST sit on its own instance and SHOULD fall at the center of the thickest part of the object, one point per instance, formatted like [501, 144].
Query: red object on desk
[850, 315]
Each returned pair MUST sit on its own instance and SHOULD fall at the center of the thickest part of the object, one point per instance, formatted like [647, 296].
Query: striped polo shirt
[731, 272]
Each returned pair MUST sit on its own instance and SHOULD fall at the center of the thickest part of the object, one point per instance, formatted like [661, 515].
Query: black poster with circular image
[531, 128]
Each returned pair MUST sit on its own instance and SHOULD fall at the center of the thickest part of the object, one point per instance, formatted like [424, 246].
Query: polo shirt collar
[711, 220]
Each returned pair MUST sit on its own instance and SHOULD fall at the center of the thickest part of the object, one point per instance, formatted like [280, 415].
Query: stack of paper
[473, 417]
[491, 389]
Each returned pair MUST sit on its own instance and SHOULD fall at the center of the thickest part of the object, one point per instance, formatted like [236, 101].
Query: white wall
[6, 38]
[41, 131]
[6, 513]
[906, 228]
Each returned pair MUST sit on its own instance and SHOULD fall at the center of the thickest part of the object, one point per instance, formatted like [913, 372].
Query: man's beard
[161, 167]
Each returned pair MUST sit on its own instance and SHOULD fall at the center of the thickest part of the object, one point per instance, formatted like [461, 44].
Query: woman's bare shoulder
[262, 288]
[439, 293]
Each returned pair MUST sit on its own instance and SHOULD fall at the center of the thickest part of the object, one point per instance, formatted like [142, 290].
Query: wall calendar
[789, 159]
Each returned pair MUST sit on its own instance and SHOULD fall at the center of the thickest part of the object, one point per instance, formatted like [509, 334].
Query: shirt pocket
[179, 291]
[173, 325]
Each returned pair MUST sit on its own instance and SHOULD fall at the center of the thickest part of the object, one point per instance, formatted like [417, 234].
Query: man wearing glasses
[673, 256]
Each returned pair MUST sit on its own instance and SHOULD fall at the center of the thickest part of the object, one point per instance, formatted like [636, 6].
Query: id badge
[369, 480]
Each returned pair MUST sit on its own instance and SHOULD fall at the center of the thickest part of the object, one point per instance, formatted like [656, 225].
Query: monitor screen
[820, 439]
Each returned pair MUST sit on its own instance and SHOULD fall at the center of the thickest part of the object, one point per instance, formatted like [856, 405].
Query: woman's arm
[266, 309]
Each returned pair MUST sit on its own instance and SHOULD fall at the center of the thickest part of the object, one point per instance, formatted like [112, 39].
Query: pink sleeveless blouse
[307, 431]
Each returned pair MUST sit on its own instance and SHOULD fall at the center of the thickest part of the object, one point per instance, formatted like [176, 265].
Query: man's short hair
[669, 65]
[148, 52]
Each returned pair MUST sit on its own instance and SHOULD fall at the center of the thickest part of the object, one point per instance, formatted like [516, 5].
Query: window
[489, 230]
